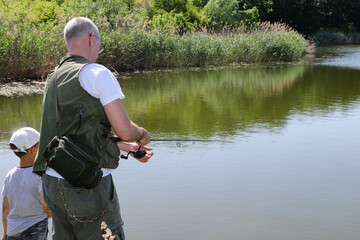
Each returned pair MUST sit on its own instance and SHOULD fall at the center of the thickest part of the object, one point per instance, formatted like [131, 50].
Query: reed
[140, 48]
[28, 52]
[130, 43]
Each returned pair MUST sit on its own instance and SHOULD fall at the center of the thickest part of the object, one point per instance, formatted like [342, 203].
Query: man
[89, 105]
[25, 214]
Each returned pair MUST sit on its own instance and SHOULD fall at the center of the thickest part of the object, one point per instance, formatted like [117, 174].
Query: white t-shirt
[100, 83]
[22, 187]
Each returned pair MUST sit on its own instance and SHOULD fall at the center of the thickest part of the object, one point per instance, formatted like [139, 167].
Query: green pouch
[74, 161]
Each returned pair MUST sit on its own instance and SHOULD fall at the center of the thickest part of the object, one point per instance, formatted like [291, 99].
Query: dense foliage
[305, 16]
[309, 16]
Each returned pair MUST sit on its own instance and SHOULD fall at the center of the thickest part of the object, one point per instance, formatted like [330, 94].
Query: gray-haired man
[89, 105]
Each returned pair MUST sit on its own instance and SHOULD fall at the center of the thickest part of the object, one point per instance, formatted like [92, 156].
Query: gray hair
[79, 26]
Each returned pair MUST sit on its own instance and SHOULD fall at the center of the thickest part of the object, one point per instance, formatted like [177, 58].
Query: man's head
[82, 38]
[23, 140]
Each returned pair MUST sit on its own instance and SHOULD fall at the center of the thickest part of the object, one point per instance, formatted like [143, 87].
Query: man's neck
[76, 53]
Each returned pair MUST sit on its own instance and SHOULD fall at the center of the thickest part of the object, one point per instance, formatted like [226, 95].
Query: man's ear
[91, 36]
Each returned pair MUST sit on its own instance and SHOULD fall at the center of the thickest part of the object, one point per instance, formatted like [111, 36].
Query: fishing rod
[180, 140]
[117, 139]
[139, 153]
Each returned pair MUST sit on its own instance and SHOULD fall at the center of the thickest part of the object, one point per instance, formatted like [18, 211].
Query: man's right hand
[145, 139]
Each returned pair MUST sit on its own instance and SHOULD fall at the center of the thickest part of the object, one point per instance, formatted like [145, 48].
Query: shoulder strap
[57, 108]
[56, 101]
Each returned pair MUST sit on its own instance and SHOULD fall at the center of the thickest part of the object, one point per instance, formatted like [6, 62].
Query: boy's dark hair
[20, 154]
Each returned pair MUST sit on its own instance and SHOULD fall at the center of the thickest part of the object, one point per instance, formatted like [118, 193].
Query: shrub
[182, 14]
[225, 13]
[249, 17]
[178, 6]
[199, 3]
[33, 12]
[171, 22]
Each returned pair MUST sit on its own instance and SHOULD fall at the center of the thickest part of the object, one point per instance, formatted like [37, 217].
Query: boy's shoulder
[9, 176]
[11, 172]
[20, 171]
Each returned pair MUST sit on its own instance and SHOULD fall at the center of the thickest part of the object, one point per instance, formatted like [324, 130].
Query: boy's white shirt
[22, 187]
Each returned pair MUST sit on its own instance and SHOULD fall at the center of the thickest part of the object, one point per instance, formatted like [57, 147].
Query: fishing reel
[139, 153]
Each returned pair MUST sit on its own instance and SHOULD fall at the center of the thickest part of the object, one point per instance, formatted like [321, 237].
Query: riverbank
[17, 89]
[28, 87]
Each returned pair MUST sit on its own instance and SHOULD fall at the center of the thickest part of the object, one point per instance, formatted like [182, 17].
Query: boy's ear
[34, 149]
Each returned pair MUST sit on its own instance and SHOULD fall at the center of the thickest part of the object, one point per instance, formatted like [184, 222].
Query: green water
[289, 168]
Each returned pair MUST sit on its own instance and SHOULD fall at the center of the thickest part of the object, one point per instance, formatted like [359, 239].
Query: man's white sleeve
[100, 83]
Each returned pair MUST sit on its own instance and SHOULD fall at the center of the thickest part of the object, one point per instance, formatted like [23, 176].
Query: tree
[199, 3]
[178, 6]
[264, 6]
[222, 12]
[336, 14]
[288, 11]
[354, 14]
[311, 18]
[130, 4]
[302, 15]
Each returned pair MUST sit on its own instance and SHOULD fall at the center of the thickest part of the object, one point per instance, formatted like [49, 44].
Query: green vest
[73, 99]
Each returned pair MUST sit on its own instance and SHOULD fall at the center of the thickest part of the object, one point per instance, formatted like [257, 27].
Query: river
[284, 163]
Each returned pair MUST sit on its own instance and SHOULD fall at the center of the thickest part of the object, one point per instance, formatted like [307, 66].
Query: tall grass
[29, 52]
[130, 44]
[139, 48]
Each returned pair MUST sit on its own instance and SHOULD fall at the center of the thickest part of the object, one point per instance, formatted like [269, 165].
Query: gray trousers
[77, 213]
[37, 231]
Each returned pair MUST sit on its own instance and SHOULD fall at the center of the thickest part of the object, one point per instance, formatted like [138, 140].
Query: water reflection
[215, 102]
[347, 57]
[210, 102]
[18, 112]
[223, 101]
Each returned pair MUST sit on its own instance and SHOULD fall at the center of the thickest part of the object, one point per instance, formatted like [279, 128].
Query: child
[25, 213]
